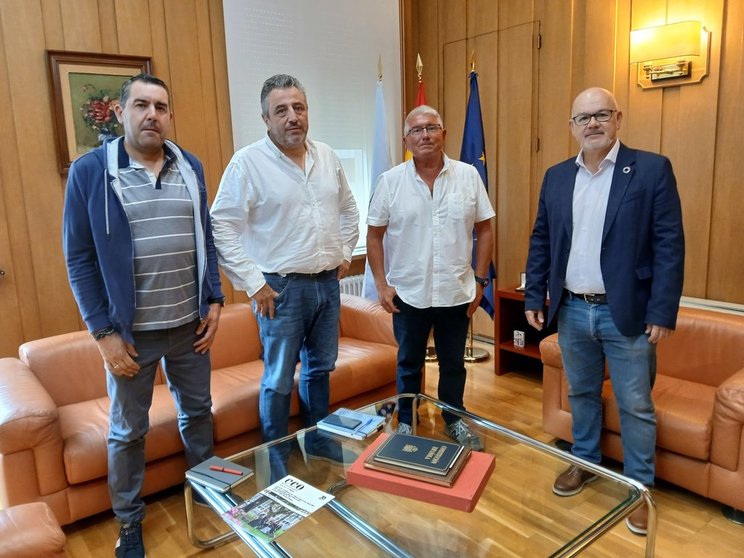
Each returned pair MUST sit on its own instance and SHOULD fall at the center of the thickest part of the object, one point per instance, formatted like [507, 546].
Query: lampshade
[665, 41]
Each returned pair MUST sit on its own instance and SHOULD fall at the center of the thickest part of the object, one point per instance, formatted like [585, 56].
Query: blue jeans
[412, 327]
[588, 337]
[188, 375]
[305, 329]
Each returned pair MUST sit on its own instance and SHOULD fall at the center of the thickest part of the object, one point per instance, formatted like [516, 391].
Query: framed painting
[85, 88]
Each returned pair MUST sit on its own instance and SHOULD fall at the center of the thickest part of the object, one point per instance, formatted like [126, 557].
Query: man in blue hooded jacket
[143, 269]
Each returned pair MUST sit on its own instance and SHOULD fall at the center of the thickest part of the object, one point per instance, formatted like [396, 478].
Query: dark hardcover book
[219, 474]
[418, 453]
[462, 495]
[447, 479]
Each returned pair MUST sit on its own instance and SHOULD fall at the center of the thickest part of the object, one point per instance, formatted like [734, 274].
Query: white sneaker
[460, 432]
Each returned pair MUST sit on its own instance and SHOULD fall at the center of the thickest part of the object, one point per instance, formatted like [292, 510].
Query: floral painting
[85, 90]
[93, 101]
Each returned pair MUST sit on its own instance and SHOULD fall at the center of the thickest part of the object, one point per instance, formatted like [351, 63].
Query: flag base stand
[474, 354]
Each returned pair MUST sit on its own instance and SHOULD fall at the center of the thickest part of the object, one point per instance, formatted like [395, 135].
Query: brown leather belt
[589, 298]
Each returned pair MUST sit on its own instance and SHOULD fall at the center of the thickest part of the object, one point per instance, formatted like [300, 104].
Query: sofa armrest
[728, 420]
[365, 320]
[28, 416]
[31, 442]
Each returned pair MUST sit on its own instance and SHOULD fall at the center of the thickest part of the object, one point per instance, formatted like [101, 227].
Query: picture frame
[85, 87]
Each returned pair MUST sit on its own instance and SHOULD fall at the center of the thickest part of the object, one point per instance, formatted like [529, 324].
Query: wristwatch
[482, 281]
[103, 332]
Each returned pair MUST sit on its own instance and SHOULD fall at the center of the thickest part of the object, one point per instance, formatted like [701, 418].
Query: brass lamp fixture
[670, 55]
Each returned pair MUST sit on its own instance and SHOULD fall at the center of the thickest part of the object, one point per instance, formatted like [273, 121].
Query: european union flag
[474, 152]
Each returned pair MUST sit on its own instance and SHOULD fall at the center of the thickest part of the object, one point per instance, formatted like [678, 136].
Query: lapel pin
[626, 170]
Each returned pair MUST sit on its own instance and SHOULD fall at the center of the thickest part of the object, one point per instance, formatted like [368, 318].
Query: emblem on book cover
[410, 448]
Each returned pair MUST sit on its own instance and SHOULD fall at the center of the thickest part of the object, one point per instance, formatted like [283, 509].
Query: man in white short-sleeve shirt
[428, 208]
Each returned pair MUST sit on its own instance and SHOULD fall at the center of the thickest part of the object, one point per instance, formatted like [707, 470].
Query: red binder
[463, 495]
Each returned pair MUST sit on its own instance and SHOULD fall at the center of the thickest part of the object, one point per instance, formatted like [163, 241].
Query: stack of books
[219, 474]
[419, 458]
[462, 495]
[352, 424]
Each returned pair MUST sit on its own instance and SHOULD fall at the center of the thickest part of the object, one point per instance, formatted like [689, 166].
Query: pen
[366, 424]
[225, 470]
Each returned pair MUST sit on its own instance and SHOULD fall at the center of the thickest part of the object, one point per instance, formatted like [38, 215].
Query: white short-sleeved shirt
[430, 236]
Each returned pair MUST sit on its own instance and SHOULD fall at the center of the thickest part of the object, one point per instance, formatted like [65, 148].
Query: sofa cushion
[85, 430]
[235, 392]
[684, 415]
[361, 366]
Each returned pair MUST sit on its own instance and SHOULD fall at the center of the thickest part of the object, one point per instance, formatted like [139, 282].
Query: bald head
[594, 94]
[597, 131]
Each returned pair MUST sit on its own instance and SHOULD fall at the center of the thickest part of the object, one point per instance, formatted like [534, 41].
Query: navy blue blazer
[643, 245]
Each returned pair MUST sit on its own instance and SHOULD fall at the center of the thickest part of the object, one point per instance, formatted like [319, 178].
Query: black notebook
[219, 474]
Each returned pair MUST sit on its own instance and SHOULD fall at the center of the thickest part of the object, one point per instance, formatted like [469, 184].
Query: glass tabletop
[517, 513]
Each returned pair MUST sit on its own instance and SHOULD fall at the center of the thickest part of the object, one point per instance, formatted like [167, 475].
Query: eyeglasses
[601, 116]
[416, 131]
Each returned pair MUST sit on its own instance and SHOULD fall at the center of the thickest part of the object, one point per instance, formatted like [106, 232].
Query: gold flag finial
[379, 67]
[419, 66]
[472, 61]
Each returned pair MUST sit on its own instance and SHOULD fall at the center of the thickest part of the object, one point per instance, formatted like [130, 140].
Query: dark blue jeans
[412, 327]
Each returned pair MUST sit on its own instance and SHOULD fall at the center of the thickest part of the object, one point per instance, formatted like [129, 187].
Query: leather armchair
[699, 400]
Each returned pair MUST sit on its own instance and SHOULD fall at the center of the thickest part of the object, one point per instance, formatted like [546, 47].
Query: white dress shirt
[591, 192]
[430, 234]
[271, 216]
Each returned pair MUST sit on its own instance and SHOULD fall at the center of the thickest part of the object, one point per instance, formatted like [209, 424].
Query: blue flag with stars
[474, 152]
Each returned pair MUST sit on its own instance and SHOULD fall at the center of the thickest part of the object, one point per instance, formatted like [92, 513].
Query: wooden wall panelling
[81, 26]
[726, 260]
[11, 262]
[486, 65]
[515, 149]
[41, 197]
[52, 18]
[515, 12]
[107, 26]
[554, 92]
[688, 139]
[599, 44]
[133, 29]
[455, 71]
[483, 17]
[641, 126]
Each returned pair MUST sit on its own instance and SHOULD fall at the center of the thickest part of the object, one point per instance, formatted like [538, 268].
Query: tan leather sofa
[30, 531]
[699, 400]
[54, 407]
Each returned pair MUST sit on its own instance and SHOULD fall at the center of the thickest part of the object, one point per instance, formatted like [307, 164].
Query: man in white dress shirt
[285, 224]
[428, 207]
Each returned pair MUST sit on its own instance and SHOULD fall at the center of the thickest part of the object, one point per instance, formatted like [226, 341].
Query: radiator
[352, 285]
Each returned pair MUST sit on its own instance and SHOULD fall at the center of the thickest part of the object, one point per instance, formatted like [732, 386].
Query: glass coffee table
[516, 515]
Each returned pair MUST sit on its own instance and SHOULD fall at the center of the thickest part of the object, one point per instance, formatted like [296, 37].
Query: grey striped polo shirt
[161, 217]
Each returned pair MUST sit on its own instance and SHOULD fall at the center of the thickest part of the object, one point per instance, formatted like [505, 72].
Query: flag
[420, 100]
[474, 152]
[381, 162]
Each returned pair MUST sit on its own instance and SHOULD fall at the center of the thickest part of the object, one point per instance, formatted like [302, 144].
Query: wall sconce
[670, 55]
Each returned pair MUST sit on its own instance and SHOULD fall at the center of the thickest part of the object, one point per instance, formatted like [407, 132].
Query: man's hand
[264, 299]
[535, 318]
[386, 295]
[208, 326]
[343, 270]
[476, 301]
[117, 355]
[657, 333]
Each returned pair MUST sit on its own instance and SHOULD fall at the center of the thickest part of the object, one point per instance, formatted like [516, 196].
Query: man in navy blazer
[608, 246]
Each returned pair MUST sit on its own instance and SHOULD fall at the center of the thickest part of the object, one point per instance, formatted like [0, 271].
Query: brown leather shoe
[572, 481]
[637, 521]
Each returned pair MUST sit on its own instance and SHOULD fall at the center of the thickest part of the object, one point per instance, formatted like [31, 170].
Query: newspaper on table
[277, 508]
